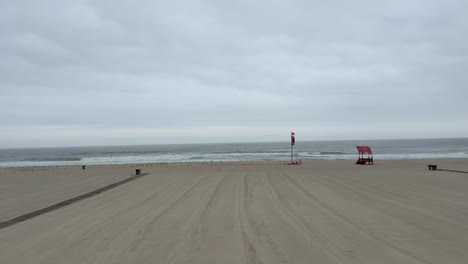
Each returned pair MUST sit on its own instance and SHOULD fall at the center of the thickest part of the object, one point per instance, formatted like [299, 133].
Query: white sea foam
[311, 150]
[236, 156]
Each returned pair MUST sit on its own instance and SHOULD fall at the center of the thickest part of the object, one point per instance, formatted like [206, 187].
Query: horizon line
[240, 142]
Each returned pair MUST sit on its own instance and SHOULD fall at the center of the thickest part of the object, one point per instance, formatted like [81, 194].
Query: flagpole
[293, 142]
[292, 157]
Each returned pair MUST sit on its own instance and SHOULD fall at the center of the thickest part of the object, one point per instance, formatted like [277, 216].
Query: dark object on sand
[296, 162]
[27, 216]
[83, 167]
[137, 171]
[365, 150]
[432, 167]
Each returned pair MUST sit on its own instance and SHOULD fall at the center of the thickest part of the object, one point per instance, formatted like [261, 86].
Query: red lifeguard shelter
[365, 160]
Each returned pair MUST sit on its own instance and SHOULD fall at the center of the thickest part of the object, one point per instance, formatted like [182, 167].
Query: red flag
[293, 139]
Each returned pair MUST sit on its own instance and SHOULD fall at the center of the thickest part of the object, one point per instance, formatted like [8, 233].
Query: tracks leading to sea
[322, 213]
[30, 215]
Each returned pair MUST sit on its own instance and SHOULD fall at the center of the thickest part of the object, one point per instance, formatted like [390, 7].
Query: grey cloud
[159, 64]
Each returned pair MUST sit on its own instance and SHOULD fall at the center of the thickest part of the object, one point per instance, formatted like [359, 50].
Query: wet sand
[319, 212]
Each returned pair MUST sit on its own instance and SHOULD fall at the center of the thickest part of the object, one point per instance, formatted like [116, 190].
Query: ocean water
[307, 150]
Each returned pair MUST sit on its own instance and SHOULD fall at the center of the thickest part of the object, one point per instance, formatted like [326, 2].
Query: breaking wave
[332, 153]
[330, 150]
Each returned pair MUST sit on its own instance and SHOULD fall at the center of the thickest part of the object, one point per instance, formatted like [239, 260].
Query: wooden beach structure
[362, 160]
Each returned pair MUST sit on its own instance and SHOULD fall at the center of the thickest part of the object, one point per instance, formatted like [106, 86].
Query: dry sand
[320, 212]
[23, 190]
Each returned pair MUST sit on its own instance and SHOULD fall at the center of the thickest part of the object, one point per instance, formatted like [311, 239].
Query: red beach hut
[365, 160]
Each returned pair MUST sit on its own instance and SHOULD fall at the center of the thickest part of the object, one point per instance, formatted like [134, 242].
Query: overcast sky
[150, 72]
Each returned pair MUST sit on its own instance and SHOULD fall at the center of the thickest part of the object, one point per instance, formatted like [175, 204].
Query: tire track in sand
[250, 250]
[325, 243]
[195, 219]
[171, 206]
[53, 207]
[133, 207]
[323, 205]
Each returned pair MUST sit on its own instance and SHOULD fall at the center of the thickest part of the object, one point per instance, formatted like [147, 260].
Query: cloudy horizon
[88, 73]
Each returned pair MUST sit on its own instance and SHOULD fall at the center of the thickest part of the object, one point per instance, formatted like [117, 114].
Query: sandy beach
[260, 212]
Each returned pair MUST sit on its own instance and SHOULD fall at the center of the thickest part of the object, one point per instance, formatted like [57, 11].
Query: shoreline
[213, 163]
